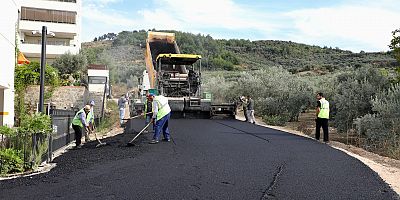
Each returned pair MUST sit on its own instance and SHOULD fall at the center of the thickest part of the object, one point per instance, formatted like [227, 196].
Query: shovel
[130, 142]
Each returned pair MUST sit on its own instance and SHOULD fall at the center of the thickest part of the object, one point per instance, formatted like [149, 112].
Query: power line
[12, 44]
[14, 3]
[7, 39]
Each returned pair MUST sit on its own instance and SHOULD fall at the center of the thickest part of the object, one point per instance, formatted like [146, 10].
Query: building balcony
[60, 30]
[52, 51]
[53, 5]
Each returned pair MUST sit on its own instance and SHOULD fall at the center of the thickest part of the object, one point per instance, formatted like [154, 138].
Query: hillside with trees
[240, 54]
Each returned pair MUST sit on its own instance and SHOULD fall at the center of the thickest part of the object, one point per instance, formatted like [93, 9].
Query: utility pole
[42, 68]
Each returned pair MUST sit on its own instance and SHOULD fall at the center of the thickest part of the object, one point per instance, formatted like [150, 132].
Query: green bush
[9, 137]
[7, 131]
[37, 125]
[382, 129]
[219, 87]
[110, 117]
[276, 120]
[30, 75]
[10, 161]
[279, 95]
[70, 63]
[354, 93]
[276, 92]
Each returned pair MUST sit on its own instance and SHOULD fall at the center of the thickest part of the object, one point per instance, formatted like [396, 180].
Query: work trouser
[78, 134]
[121, 115]
[250, 115]
[324, 123]
[162, 124]
[245, 115]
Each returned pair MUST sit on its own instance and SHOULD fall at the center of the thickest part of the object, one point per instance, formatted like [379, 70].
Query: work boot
[153, 142]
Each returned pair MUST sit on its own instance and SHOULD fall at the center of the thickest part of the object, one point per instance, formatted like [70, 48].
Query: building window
[97, 80]
[45, 15]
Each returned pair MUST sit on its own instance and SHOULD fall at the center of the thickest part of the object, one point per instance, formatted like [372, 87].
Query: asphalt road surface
[207, 159]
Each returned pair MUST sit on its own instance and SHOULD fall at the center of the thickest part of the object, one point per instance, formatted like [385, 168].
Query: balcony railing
[35, 49]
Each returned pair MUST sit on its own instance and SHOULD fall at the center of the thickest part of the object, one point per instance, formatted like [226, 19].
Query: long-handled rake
[130, 142]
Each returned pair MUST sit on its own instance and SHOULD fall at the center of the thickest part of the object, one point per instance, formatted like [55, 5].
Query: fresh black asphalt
[207, 159]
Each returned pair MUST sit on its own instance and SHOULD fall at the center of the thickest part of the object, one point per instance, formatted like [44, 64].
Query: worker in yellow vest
[322, 114]
[79, 123]
[161, 115]
[90, 120]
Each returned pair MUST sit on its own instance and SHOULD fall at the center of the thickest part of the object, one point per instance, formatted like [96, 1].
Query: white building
[62, 17]
[98, 77]
[8, 32]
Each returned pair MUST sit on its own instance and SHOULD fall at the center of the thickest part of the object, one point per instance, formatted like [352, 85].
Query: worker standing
[244, 106]
[161, 115]
[250, 109]
[121, 106]
[322, 114]
[90, 119]
[79, 122]
[148, 111]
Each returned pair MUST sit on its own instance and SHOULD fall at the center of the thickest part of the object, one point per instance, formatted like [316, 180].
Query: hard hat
[92, 103]
[87, 107]
[151, 94]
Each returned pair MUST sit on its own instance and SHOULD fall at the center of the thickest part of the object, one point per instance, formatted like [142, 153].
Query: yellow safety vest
[324, 110]
[77, 120]
[163, 107]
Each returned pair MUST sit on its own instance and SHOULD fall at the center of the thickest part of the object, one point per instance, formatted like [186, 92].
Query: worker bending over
[161, 115]
[80, 122]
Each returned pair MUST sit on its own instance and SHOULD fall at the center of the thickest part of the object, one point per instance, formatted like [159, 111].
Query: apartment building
[8, 32]
[63, 21]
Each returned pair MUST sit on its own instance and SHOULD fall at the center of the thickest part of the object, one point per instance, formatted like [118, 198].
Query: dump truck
[178, 77]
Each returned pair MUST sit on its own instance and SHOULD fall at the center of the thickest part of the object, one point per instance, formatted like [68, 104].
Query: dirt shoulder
[387, 168]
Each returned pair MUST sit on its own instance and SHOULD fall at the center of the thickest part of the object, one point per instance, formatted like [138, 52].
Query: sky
[348, 24]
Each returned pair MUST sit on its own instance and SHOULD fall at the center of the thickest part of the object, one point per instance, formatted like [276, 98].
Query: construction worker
[121, 106]
[322, 114]
[90, 119]
[79, 122]
[250, 109]
[161, 115]
[148, 111]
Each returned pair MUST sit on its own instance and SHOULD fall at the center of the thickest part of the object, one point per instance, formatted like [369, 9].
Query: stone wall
[66, 97]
